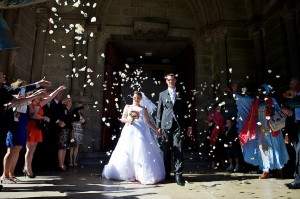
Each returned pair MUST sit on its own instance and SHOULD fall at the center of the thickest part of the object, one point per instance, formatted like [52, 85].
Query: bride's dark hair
[137, 93]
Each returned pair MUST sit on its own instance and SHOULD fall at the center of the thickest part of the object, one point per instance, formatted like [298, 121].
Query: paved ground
[86, 182]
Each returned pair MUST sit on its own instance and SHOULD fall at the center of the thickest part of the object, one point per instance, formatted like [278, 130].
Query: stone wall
[22, 23]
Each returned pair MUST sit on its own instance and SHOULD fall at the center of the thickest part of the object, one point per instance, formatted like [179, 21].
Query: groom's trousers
[171, 141]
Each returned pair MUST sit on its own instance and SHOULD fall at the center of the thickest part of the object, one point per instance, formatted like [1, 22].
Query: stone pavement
[201, 182]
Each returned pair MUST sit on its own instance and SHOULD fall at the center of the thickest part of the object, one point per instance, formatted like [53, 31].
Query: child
[231, 144]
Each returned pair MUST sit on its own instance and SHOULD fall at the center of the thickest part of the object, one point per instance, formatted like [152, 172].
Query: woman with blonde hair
[65, 133]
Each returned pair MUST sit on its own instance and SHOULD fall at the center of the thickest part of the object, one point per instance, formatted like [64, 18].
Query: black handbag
[73, 142]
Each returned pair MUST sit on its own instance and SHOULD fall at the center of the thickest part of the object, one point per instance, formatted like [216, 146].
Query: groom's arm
[159, 111]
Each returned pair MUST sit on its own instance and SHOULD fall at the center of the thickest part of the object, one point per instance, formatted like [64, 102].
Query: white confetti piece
[51, 20]
[82, 69]
[93, 19]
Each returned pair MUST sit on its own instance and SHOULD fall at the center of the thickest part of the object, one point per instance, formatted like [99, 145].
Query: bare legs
[73, 155]
[10, 160]
[30, 149]
[61, 158]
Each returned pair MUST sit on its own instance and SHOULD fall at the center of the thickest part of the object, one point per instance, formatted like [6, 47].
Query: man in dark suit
[53, 110]
[292, 127]
[172, 120]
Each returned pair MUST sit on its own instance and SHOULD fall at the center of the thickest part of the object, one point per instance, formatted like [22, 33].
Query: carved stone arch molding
[197, 8]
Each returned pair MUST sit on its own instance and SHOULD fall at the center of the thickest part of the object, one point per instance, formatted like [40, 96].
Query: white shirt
[172, 93]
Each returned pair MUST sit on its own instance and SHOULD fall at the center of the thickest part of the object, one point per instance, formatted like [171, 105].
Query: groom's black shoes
[179, 180]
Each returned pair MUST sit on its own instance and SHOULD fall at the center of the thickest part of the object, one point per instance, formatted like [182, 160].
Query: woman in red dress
[34, 133]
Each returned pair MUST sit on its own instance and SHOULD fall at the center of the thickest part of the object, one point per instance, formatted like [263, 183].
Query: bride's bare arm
[148, 120]
[124, 118]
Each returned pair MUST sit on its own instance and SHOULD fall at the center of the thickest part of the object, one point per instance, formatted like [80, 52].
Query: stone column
[42, 25]
[92, 32]
[220, 36]
[256, 32]
[203, 79]
[100, 46]
[291, 33]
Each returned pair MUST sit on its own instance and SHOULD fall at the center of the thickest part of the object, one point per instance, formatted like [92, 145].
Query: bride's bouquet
[134, 115]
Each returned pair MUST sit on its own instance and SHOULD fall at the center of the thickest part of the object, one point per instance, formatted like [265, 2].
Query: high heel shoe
[62, 168]
[27, 174]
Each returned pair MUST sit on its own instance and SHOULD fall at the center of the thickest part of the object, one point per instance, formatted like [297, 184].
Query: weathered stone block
[237, 33]
[143, 12]
[121, 3]
[136, 3]
[128, 12]
[114, 11]
[115, 21]
[239, 44]
[158, 13]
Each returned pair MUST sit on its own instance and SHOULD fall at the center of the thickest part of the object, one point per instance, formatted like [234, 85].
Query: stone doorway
[145, 65]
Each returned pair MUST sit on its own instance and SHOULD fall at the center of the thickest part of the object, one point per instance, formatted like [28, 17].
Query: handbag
[277, 121]
[73, 142]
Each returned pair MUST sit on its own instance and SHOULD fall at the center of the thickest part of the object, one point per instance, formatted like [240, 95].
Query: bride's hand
[130, 120]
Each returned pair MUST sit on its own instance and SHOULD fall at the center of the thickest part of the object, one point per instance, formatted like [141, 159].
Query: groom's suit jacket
[168, 113]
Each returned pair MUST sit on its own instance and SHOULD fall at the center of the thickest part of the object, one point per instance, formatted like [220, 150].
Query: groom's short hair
[170, 74]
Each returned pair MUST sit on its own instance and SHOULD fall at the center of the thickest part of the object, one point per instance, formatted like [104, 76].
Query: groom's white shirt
[172, 93]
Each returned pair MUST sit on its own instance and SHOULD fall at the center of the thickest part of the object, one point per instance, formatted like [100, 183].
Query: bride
[137, 155]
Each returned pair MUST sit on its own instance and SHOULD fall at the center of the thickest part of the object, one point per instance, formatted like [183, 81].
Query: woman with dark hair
[137, 155]
[78, 121]
[261, 145]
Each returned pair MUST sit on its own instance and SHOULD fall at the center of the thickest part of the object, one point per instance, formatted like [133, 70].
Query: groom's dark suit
[172, 120]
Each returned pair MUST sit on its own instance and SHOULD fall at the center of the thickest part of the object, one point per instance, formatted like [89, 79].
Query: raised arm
[52, 95]
[37, 94]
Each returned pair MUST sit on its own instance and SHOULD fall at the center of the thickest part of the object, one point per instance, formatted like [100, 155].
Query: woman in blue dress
[261, 146]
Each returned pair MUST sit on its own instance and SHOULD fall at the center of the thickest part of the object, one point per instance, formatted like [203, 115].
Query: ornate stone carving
[148, 28]
[286, 13]
[255, 28]
[220, 32]
[207, 36]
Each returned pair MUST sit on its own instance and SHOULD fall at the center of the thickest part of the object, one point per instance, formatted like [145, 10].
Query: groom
[172, 112]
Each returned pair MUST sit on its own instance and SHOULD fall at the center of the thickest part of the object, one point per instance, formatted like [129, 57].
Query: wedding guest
[261, 145]
[216, 123]
[7, 100]
[172, 120]
[65, 134]
[231, 145]
[16, 137]
[292, 127]
[78, 121]
[34, 131]
[53, 110]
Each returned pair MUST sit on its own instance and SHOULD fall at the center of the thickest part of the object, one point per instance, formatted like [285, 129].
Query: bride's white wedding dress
[137, 155]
